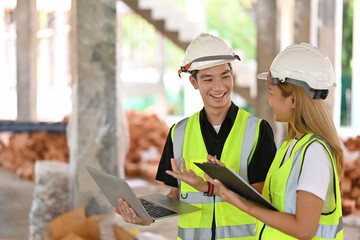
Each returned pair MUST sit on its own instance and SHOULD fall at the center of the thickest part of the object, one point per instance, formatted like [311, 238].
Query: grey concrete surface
[15, 203]
[16, 199]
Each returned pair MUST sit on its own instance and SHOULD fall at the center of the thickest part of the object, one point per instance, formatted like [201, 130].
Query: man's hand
[187, 176]
[213, 160]
[128, 214]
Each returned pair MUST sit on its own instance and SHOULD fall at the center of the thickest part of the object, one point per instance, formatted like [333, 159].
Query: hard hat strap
[208, 58]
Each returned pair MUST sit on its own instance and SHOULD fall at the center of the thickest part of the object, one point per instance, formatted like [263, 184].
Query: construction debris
[75, 225]
[350, 183]
[51, 195]
[25, 148]
[353, 144]
[147, 139]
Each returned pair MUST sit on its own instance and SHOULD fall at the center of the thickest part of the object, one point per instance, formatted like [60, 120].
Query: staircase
[167, 19]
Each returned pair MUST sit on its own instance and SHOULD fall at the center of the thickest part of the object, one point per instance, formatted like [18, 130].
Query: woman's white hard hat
[305, 64]
[206, 51]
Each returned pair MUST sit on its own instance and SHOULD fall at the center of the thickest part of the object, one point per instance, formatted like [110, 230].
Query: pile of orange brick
[25, 148]
[147, 139]
[350, 183]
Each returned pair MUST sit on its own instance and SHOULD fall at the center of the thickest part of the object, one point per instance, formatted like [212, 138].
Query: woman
[303, 180]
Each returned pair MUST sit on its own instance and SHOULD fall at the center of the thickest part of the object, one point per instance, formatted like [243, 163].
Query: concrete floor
[16, 199]
[15, 203]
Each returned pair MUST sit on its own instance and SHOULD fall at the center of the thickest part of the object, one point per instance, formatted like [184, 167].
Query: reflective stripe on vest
[330, 224]
[206, 233]
[178, 143]
[228, 225]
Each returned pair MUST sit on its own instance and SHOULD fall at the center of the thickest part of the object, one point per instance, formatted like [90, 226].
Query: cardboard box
[74, 225]
[72, 236]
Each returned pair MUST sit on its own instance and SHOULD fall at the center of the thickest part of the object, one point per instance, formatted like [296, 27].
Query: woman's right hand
[128, 214]
[213, 160]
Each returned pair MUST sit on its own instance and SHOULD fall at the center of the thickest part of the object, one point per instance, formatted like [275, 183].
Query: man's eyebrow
[209, 76]
[206, 76]
[226, 72]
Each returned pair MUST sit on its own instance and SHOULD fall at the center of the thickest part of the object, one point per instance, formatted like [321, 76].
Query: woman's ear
[193, 82]
[293, 101]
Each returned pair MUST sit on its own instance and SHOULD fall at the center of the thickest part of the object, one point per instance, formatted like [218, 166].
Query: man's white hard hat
[206, 51]
[302, 64]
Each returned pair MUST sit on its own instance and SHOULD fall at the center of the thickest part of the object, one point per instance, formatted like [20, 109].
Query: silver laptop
[154, 207]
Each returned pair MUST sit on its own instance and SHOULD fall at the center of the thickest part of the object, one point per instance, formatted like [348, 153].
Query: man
[219, 131]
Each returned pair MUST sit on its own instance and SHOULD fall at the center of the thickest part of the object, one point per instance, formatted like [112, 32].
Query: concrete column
[92, 129]
[330, 32]
[2, 38]
[26, 45]
[286, 22]
[123, 134]
[267, 50]
[302, 21]
[355, 96]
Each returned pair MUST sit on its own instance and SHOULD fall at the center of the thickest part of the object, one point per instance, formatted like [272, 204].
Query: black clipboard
[235, 183]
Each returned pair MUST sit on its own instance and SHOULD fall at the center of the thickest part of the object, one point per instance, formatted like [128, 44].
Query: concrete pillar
[355, 96]
[330, 27]
[286, 22]
[2, 38]
[123, 134]
[92, 128]
[302, 21]
[306, 21]
[26, 45]
[267, 50]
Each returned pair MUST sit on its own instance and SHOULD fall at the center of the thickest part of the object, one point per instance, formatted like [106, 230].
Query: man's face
[215, 85]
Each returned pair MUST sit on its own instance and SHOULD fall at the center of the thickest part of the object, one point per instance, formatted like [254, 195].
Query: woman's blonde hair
[313, 116]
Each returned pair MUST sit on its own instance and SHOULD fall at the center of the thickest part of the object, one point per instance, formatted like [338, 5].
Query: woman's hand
[128, 214]
[187, 176]
[213, 160]
[227, 195]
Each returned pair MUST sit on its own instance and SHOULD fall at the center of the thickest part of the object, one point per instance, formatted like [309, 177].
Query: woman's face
[283, 107]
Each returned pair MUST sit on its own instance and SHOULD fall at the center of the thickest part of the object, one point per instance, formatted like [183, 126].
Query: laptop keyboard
[156, 211]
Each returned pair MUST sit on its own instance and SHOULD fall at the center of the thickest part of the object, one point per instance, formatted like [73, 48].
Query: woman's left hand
[229, 196]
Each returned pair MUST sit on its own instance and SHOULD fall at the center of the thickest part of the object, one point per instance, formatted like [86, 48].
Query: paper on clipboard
[235, 183]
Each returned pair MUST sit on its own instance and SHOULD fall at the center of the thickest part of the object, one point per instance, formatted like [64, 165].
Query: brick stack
[24, 149]
[350, 183]
[147, 139]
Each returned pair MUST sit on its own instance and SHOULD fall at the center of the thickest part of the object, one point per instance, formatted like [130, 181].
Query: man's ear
[193, 82]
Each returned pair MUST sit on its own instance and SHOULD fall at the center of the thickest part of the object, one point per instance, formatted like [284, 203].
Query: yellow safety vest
[280, 189]
[231, 223]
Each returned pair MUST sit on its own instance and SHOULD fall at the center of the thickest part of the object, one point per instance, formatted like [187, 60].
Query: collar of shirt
[215, 142]
[231, 115]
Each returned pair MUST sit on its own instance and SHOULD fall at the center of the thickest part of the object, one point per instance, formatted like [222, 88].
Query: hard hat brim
[262, 76]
